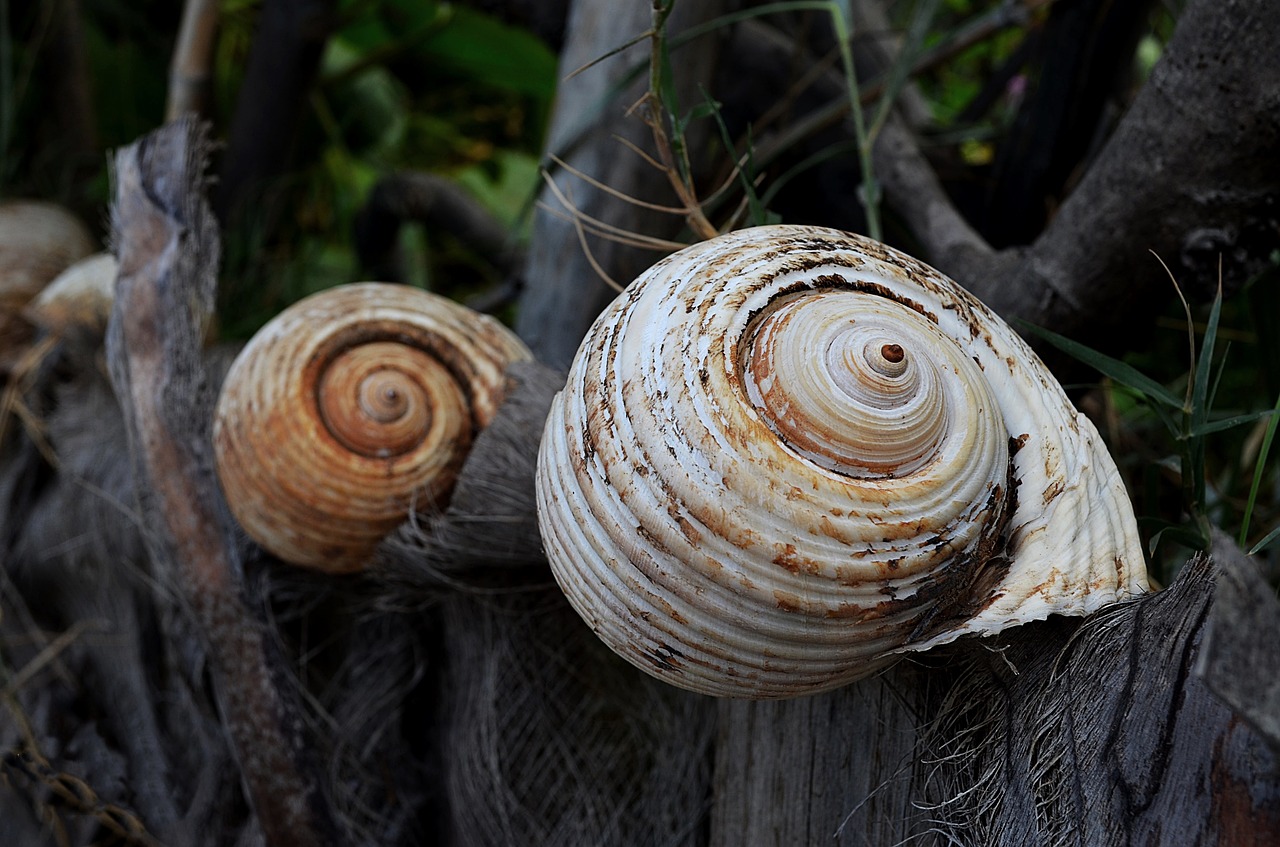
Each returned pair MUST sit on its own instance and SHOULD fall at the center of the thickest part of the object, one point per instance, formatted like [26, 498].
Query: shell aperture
[788, 454]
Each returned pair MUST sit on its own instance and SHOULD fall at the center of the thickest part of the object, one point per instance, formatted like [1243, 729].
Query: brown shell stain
[788, 559]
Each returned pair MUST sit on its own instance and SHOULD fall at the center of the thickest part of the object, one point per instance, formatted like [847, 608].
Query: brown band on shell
[377, 399]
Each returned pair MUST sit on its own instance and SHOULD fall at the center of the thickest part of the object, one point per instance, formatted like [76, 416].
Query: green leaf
[1187, 536]
[1217, 380]
[504, 189]
[1266, 541]
[1263, 451]
[1119, 371]
[1200, 390]
[757, 213]
[1227, 423]
[486, 51]
[703, 110]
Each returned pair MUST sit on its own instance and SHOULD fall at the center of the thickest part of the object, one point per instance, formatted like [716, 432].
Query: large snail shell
[350, 409]
[787, 454]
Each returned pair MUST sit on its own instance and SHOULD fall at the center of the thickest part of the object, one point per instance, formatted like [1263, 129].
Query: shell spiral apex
[789, 454]
[348, 410]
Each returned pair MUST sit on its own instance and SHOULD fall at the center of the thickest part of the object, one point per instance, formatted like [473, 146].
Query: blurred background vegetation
[442, 88]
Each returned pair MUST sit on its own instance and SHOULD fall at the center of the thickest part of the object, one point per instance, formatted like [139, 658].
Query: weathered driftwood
[168, 248]
[164, 681]
[1104, 731]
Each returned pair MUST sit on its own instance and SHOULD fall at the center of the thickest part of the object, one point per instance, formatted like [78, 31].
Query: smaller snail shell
[80, 296]
[37, 241]
[786, 455]
[350, 409]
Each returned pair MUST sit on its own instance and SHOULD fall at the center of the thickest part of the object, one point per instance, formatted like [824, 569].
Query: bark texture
[1190, 173]
[1098, 732]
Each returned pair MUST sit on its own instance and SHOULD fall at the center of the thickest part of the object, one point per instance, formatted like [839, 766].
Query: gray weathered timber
[168, 248]
[1189, 173]
[835, 768]
[1231, 662]
[563, 292]
[1055, 733]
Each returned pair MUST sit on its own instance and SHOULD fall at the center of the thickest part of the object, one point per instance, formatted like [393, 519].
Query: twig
[599, 227]
[13, 405]
[677, 172]
[613, 192]
[591, 259]
[606, 231]
[191, 70]
[15, 683]
[825, 116]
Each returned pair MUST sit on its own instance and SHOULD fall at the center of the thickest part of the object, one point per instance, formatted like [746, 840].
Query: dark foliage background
[412, 141]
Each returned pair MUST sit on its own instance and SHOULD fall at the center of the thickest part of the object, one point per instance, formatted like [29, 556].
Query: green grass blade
[1200, 390]
[1258, 468]
[1227, 423]
[1123, 373]
[1165, 416]
[1217, 379]
[827, 153]
[1266, 542]
[1187, 536]
[903, 62]
[699, 30]
[756, 210]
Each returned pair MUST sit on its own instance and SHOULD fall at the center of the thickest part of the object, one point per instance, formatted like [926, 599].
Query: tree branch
[1190, 173]
[912, 189]
[439, 204]
[282, 65]
[167, 244]
[191, 70]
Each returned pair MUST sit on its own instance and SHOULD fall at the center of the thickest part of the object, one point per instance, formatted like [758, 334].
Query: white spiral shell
[788, 454]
